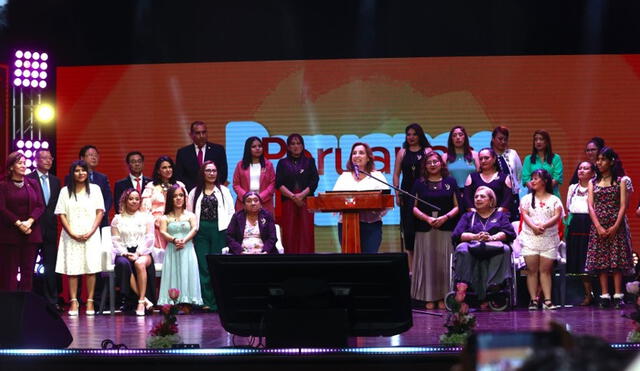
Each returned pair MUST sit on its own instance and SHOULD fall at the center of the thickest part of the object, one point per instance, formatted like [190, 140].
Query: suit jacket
[9, 232]
[49, 220]
[187, 163]
[124, 184]
[101, 181]
[266, 224]
[242, 183]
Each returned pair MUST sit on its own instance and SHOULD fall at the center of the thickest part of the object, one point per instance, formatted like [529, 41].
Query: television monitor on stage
[368, 293]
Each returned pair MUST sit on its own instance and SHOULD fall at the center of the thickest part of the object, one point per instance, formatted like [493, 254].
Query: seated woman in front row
[482, 260]
[252, 230]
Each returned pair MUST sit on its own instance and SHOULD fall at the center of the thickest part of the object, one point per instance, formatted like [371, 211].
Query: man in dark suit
[190, 158]
[135, 180]
[50, 188]
[90, 155]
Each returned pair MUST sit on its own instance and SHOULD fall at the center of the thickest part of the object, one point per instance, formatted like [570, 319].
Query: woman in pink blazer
[254, 173]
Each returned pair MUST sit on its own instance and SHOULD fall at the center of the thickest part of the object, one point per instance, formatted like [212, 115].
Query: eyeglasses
[209, 171]
[433, 162]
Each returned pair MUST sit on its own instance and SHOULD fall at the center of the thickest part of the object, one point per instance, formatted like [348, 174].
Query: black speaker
[30, 322]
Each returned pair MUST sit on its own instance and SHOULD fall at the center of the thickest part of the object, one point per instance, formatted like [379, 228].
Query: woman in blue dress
[461, 159]
[180, 268]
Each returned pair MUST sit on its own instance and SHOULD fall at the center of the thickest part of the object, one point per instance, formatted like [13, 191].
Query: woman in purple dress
[489, 176]
[21, 205]
[609, 251]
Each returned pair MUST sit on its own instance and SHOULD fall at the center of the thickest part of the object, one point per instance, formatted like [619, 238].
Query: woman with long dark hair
[21, 205]
[180, 268]
[254, 173]
[212, 204]
[155, 194]
[609, 250]
[408, 159]
[81, 208]
[543, 157]
[541, 212]
[297, 178]
[461, 159]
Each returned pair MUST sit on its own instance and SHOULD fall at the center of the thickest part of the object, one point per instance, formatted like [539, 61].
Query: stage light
[28, 144]
[43, 84]
[43, 75]
[26, 83]
[19, 54]
[43, 66]
[20, 143]
[44, 113]
[18, 72]
[44, 56]
[34, 83]
[27, 55]
[26, 64]
[28, 154]
[36, 56]
[17, 82]
[28, 163]
[18, 63]
[35, 65]
[35, 75]
[45, 145]
[36, 144]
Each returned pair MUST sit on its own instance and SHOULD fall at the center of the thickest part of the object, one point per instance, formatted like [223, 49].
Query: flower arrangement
[164, 334]
[633, 336]
[460, 323]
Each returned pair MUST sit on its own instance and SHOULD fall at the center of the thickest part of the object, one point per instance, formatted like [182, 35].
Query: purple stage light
[28, 153]
[45, 145]
[28, 163]
[27, 64]
[18, 63]
[20, 143]
[36, 144]
[43, 66]
[43, 84]
[35, 65]
[34, 83]
[19, 54]
[43, 75]
[36, 56]
[34, 74]
[36, 61]
[27, 55]
[44, 56]
[26, 83]
[17, 72]
[17, 82]
[28, 144]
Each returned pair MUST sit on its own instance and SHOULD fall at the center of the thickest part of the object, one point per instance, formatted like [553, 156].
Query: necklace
[18, 183]
[581, 191]
[165, 187]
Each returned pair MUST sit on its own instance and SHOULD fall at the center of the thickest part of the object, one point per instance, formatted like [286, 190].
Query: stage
[416, 347]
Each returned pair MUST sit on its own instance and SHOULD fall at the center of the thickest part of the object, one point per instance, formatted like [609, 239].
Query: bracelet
[174, 240]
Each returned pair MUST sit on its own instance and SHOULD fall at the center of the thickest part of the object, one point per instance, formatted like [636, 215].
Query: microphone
[356, 170]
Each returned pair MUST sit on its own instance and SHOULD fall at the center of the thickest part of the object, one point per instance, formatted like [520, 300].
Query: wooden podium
[350, 204]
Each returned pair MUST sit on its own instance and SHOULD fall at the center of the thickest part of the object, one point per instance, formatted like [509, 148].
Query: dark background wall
[152, 31]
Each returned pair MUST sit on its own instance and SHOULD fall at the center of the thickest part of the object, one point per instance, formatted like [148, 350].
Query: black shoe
[605, 302]
[618, 303]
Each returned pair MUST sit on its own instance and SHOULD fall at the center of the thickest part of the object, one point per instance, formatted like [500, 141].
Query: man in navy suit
[50, 188]
[135, 180]
[90, 155]
[190, 158]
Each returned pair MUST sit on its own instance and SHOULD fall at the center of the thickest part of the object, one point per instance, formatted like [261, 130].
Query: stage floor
[205, 329]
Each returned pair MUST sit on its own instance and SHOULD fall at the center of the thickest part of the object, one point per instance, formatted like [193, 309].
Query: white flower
[633, 287]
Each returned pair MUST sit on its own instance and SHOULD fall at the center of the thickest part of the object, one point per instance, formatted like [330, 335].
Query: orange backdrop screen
[333, 103]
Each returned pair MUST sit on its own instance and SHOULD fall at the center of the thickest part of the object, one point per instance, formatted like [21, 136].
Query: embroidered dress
[545, 244]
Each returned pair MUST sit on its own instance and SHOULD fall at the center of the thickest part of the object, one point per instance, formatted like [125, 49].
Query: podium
[350, 203]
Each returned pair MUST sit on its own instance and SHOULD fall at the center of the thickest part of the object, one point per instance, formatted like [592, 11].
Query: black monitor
[363, 294]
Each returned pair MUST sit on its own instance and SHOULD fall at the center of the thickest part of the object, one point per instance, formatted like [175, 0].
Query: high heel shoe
[90, 312]
[74, 313]
[148, 305]
[143, 311]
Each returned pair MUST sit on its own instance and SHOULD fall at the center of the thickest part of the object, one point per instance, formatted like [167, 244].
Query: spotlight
[44, 56]
[18, 72]
[34, 83]
[17, 82]
[35, 65]
[36, 144]
[43, 65]
[18, 63]
[20, 143]
[28, 162]
[45, 145]
[26, 83]
[19, 54]
[43, 75]
[36, 56]
[28, 153]
[43, 84]
[28, 144]
[26, 64]
[44, 113]
[34, 75]
[27, 55]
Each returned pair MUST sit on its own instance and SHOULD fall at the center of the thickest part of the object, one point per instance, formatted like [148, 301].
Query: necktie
[138, 188]
[200, 156]
[91, 177]
[45, 189]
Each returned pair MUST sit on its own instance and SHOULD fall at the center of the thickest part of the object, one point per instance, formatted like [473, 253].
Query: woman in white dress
[81, 208]
[541, 211]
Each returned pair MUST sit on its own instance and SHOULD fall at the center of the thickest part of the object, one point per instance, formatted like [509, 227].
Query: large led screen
[333, 103]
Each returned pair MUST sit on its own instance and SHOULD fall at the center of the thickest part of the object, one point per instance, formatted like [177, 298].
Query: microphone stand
[397, 189]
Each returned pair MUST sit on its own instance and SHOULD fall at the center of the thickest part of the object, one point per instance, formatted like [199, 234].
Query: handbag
[485, 250]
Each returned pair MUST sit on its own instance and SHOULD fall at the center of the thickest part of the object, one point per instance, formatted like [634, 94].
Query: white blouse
[577, 199]
[254, 177]
[346, 182]
[135, 230]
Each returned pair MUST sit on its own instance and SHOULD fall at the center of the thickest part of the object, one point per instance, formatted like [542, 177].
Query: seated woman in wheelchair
[482, 259]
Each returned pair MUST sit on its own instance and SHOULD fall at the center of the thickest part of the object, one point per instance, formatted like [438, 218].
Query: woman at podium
[360, 176]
